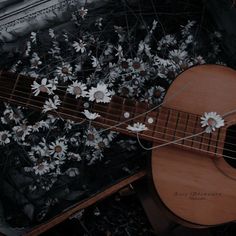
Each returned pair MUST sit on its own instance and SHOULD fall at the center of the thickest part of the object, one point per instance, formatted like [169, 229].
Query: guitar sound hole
[230, 146]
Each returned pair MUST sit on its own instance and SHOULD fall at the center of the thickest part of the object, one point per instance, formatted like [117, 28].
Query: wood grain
[196, 188]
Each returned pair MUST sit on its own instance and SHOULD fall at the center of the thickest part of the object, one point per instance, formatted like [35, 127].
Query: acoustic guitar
[193, 178]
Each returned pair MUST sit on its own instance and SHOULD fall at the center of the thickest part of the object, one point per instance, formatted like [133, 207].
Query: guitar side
[194, 188]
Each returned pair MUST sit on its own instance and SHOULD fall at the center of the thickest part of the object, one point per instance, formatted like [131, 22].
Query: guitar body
[195, 189]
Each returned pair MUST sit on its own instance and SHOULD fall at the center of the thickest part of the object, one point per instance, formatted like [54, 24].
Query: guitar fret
[72, 107]
[14, 87]
[165, 124]
[161, 123]
[176, 124]
[190, 130]
[181, 126]
[220, 141]
[197, 140]
[140, 108]
[117, 108]
[170, 126]
[129, 108]
[213, 137]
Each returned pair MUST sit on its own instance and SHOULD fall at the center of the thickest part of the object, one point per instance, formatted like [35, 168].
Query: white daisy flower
[212, 121]
[35, 61]
[58, 149]
[119, 51]
[178, 55]
[189, 39]
[72, 172]
[156, 94]
[28, 48]
[40, 150]
[74, 156]
[96, 155]
[136, 65]
[199, 60]
[102, 143]
[4, 137]
[83, 12]
[90, 115]
[54, 83]
[10, 115]
[158, 61]
[77, 89]
[124, 65]
[98, 22]
[126, 90]
[79, 46]
[137, 127]
[65, 36]
[99, 94]
[112, 135]
[167, 40]
[21, 131]
[41, 168]
[91, 137]
[43, 87]
[108, 50]
[75, 140]
[144, 47]
[51, 104]
[64, 71]
[51, 33]
[185, 29]
[33, 37]
[69, 124]
[95, 61]
[78, 67]
[40, 124]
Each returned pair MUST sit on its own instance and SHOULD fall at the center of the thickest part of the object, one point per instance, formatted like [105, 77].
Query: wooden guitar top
[196, 189]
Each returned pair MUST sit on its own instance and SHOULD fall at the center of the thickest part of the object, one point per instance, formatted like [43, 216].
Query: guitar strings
[181, 145]
[166, 128]
[154, 138]
[132, 119]
[160, 127]
[187, 147]
[189, 122]
[96, 105]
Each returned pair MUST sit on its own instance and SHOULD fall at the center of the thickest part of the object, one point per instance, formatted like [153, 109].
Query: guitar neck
[164, 124]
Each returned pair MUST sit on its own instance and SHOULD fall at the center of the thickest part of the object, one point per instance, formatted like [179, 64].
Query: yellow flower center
[4, 137]
[124, 64]
[65, 70]
[41, 166]
[136, 65]
[99, 95]
[43, 89]
[211, 122]
[157, 93]
[90, 137]
[77, 90]
[58, 149]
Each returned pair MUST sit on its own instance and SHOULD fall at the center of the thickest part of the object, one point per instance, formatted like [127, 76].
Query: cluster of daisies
[86, 66]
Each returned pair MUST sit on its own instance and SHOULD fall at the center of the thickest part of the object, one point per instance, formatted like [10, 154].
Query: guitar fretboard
[164, 124]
